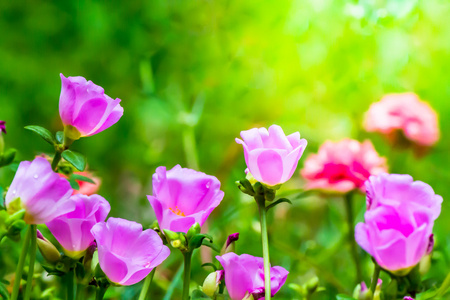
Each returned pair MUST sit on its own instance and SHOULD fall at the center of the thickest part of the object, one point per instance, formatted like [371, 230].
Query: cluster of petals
[244, 275]
[126, 253]
[407, 113]
[399, 220]
[182, 197]
[85, 107]
[42, 193]
[342, 166]
[270, 155]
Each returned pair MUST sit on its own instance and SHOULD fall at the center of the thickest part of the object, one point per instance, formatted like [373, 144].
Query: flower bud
[195, 229]
[212, 282]
[15, 228]
[229, 245]
[47, 249]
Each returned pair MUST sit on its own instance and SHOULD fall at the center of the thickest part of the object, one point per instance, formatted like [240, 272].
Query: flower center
[177, 211]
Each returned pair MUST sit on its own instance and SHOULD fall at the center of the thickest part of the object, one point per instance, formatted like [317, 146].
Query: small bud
[312, 285]
[176, 243]
[229, 245]
[212, 282]
[47, 249]
[170, 235]
[195, 229]
[248, 296]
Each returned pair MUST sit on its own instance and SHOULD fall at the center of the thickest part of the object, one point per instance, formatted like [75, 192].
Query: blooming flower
[399, 221]
[342, 166]
[183, 196]
[85, 109]
[407, 113]
[73, 230]
[271, 156]
[245, 273]
[41, 192]
[127, 254]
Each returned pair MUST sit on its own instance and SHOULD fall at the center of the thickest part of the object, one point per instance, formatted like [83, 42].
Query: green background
[193, 74]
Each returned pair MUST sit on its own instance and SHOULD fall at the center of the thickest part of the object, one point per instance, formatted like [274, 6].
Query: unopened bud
[212, 282]
[195, 229]
[230, 243]
[47, 249]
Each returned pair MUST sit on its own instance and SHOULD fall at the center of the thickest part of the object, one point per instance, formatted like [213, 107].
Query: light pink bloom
[41, 192]
[183, 196]
[245, 273]
[271, 156]
[73, 230]
[399, 221]
[342, 166]
[86, 107]
[407, 113]
[127, 254]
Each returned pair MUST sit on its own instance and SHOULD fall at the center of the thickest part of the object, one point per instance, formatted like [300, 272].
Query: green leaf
[75, 158]
[198, 294]
[60, 137]
[210, 265]
[196, 241]
[7, 157]
[210, 245]
[4, 294]
[282, 200]
[43, 133]
[82, 178]
[74, 184]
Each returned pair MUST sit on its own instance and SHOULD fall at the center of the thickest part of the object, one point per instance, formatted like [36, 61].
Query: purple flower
[399, 221]
[271, 156]
[85, 107]
[183, 196]
[73, 230]
[245, 273]
[2, 127]
[41, 192]
[126, 253]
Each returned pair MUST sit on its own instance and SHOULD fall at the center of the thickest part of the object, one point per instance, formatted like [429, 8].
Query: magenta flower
[85, 107]
[342, 166]
[2, 127]
[183, 197]
[73, 230]
[399, 221]
[126, 253]
[41, 192]
[271, 156]
[245, 273]
[407, 113]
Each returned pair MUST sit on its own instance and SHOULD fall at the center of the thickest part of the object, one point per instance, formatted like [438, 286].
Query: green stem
[20, 264]
[33, 249]
[80, 291]
[56, 160]
[68, 281]
[376, 274]
[187, 274]
[444, 287]
[351, 235]
[146, 286]
[265, 247]
[100, 293]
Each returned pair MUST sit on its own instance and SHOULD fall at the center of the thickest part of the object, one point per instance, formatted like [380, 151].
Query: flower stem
[444, 287]
[351, 234]
[20, 264]
[33, 249]
[101, 290]
[187, 274]
[147, 283]
[68, 280]
[265, 247]
[80, 292]
[376, 274]
[56, 160]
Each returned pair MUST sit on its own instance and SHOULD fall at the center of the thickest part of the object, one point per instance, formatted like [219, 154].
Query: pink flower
[245, 273]
[271, 156]
[126, 253]
[87, 188]
[2, 127]
[407, 113]
[85, 107]
[342, 166]
[183, 197]
[73, 230]
[399, 221]
[41, 192]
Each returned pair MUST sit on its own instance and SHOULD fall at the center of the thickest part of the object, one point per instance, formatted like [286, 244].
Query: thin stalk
[80, 291]
[187, 274]
[376, 274]
[100, 293]
[444, 287]
[146, 286]
[265, 248]
[33, 249]
[68, 281]
[20, 264]
[56, 159]
[351, 235]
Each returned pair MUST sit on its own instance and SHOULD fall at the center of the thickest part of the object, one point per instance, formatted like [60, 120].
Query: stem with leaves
[265, 246]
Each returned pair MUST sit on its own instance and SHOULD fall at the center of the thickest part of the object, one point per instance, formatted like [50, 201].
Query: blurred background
[193, 74]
